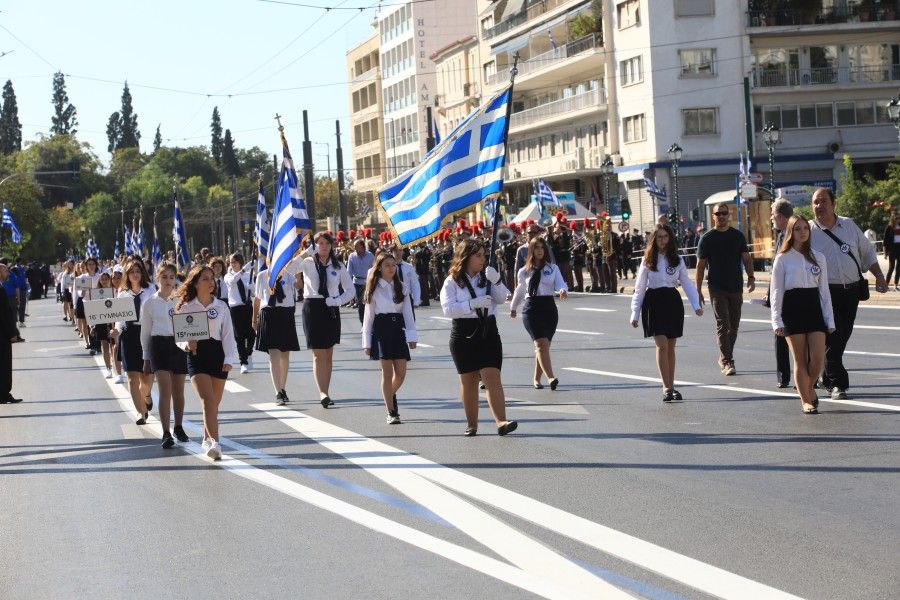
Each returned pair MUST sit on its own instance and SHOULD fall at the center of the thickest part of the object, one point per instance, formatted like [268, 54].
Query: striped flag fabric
[134, 236]
[129, 250]
[182, 259]
[546, 194]
[156, 254]
[655, 191]
[262, 230]
[437, 133]
[552, 41]
[742, 172]
[462, 171]
[116, 249]
[140, 233]
[92, 250]
[8, 221]
[290, 222]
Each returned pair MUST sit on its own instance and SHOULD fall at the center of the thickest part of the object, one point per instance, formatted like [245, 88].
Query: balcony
[793, 14]
[581, 161]
[531, 12]
[871, 74]
[401, 139]
[368, 76]
[552, 57]
[593, 99]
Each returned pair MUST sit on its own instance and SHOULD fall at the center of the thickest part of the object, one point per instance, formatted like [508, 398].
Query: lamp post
[327, 155]
[607, 169]
[675, 156]
[772, 137]
[894, 114]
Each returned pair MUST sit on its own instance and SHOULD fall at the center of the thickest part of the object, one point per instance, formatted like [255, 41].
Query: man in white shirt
[358, 265]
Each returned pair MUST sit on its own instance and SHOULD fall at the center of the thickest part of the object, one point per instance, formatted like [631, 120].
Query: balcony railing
[533, 10]
[367, 76]
[540, 61]
[825, 76]
[593, 98]
[401, 139]
[886, 10]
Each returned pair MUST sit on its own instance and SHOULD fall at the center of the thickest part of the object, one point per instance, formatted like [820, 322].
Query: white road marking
[54, 349]
[576, 331]
[234, 387]
[603, 310]
[876, 327]
[377, 457]
[860, 352]
[441, 318]
[730, 388]
[421, 345]
[131, 431]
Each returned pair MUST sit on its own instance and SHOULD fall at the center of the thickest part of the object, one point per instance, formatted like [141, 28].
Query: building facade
[366, 119]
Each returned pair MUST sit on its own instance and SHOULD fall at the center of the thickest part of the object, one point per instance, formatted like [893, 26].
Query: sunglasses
[721, 214]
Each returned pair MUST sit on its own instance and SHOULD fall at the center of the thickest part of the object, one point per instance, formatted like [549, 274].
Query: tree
[64, 121]
[229, 160]
[216, 144]
[113, 132]
[122, 127]
[326, 197]
[157, 140]
[59, 155]
[10, 127]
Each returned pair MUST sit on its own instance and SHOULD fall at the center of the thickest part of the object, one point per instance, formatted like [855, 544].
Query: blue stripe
[498, 101]
[493, 133]
[457, 204]
[458, 150]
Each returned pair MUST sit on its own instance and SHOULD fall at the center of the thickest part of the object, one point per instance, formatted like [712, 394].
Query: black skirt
[540, 317]
[79, 308]
[208, 359]
[67, 296]
[277, 329]
[101, 332]
[321, 324]
[662, 313]
[165, 355]
[801, 311]
[130, 352]
[389, 338]
[475, 344]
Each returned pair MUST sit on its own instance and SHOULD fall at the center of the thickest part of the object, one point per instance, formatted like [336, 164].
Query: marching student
[100, 331]
[474, 339]
[66, 279]
[659, 304]
[136, 285]
[237, 294]
[116, 278]
[209, 360]
[801, 307]
[324, 276]
[407, 275]
[161, 356]
[389, 328]
[275, 326]
[540, 278]
[89, 277]
[218, 266]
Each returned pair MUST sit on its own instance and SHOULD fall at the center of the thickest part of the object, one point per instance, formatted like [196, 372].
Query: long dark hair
[461, 255]
[332, 257]
[375, 276]
[129, 264]
[651, 254]
[788, 243]
[187, 291]
[530, 261]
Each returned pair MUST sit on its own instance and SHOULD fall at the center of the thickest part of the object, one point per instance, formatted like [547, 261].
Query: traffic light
[695, 214]
[626, 209]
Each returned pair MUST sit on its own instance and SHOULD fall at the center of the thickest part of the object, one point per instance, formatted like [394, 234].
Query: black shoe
[141, 421]
[180, 435]
[783, 384]
[537, 386]
[280, 399]
[285, 396]
[10, 400]
[326, 402]
[668, 396]
[676, 396]
[167, 441]
[507, 427]
[553, 383]
[149, 404]
[481, 386]
[394, 399]
[470, 431]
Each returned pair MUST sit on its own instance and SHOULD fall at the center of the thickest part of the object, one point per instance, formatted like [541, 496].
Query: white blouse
[790, 271]
[145, 294]
[412, 280]
[551, 282]
[85, 278]
[455, 298]
[383, 303]
[262, 289]
[663, 277]
[336, 277]
[156, 319]
[219, 326]
[231, 287]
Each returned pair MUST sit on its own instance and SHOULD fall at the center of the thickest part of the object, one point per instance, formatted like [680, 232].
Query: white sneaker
[249, 362]
[204, 445]
[213, 450]
[120, 378]
[244, 369]
[109, 373]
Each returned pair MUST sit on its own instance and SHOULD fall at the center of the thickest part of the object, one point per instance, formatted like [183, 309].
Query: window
[700, 121]
[631, 71]
[846, 113]
[629, 13]
[807, 115]
[789, 116]
[881, 112]
[699, 62]
[865, 113]
[825, 115]
[772, 114]
[694, 8]
[633, 128]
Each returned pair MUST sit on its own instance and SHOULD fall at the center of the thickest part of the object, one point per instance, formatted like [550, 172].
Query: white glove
[331, 302]
[492, 275]
[481, 302]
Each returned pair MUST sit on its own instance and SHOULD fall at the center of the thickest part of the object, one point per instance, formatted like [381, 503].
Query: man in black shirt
[723, 248]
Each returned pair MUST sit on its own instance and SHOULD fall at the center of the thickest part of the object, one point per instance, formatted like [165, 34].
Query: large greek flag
[181, 254]
[8, 221]
[92, 250]
[459, 173]
[261, 232]
[290, 223]
[545, 194]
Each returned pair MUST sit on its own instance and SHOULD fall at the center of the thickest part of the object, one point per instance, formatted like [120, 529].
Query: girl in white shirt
[161, 356]
[66, 278]
[275, 326]
[323, 278]
[474, 339]
[239, 296]
[659, 303]
[209, 360]
[116, 280]
[389, 328]
[88, 279]
[539, 279]
[100, 331]
[801, 307]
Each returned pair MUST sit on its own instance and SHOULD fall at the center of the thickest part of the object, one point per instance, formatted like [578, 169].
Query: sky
[181, 59]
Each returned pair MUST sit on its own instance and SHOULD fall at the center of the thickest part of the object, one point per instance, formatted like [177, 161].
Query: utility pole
[308, 175]
[429, 141]
[342, 202]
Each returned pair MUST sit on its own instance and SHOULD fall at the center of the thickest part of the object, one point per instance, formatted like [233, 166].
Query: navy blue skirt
[540, 317]
[801, 311]
[165, 355]
[389, 338]
[475, 344]
[130, 352]
[662, 313]
[277, 329]
[208, 359]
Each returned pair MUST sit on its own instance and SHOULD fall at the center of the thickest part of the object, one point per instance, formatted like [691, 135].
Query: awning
[512, 45]
[513, 7]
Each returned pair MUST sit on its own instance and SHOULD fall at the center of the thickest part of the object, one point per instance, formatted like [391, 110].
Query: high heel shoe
[326, 402]
[507, 427]
[553, 383]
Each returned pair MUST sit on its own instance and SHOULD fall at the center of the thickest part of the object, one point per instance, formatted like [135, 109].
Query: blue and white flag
[290, 222]
[437, 133]
[655, 191]
[116, 249]
[8, 221]
[545, 194]
[182, 259]
[156, 254]
[742, 172]
[459, 173]
[261, 232]
[91, 249]
[140, 234]
[129, 250]
[134, 236]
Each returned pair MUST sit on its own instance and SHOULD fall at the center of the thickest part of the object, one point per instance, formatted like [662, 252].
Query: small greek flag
[290, 222]
[545, 194]
[140, 234]
[462, 171]
[129, 250]
[437, 133]
[552, 41]
[182, 259]
[92, 250]
[655, 191]
[261, 232]
[8, 221]
[116, 249]
[157, 255]
[742, 172]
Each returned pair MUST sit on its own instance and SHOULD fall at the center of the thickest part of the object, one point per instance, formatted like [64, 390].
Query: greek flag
[552, 41]
[129, 250]
[655, 191]
[290, 223]
[261, 232]
[116, 249]
[437, 133]
[135, 249]
[742, 171]
[9, 222]
[91, 250]
[466, 168]
[545, 194]
[157, 255]
[181, 254]
[140, 234]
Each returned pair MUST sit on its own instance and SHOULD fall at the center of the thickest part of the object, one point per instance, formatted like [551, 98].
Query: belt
[843, 286]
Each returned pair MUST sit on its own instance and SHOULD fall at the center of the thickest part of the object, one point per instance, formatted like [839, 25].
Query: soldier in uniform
[422, 262]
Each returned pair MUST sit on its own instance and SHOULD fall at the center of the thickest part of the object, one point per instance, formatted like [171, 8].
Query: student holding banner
[237, 294]
[83, 285]
[135, 285]
[100, 331]
[116, 279]
[211, 352]
[161, 356]
[66, 278]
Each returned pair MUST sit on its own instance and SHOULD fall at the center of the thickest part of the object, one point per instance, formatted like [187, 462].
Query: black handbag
[863, 283]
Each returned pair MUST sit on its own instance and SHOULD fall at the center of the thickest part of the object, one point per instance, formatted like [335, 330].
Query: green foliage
[157, 139]
[215, 143]
[10, 127]
[184, 162]
[866, 200]
[64, 121]
[61, 153]
[327, 198]
[229, 160]
[122, 128]
[587, 22]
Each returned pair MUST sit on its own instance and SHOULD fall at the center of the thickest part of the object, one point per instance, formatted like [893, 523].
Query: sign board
[83, 283]
[623, 226]
[190, 326]
[749, 191]
[101, 293]
[110, 310]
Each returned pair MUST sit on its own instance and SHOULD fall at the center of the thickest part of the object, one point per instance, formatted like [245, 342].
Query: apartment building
[366, 119]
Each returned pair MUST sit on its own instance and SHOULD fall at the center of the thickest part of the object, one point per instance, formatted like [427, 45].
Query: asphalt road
[603, 492]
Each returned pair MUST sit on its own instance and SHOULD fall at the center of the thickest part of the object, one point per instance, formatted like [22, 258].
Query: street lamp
[327, 155]
[675, 156]
[607, 169]
[772, 137]
[894, 114]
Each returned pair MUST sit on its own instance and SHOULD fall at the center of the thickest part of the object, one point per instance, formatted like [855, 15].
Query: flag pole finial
[278, 118]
